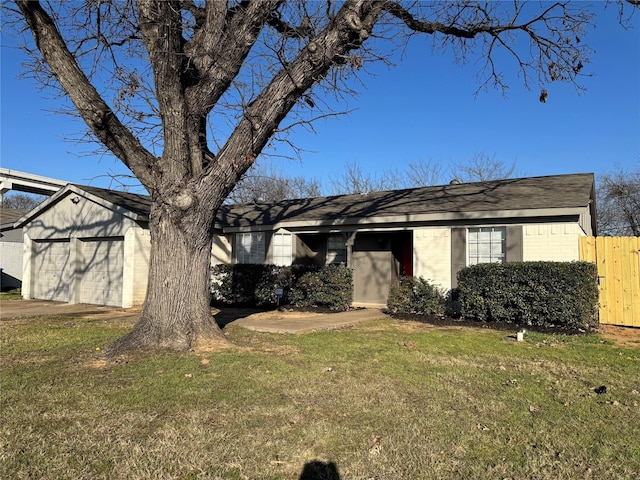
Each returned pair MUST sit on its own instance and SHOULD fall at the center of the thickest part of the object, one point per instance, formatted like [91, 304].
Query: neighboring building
[10, 249]
[11, 238]
[92, 245]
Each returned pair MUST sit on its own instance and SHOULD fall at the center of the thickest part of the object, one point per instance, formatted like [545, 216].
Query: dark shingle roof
[557, 191]
[8, 216]
[138, 204]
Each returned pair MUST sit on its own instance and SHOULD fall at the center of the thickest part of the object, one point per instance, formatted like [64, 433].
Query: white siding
[551, 242]
[137, 249]
[96, 268]
[221, 250]
[432, 255]
[84, 219]
[11, 263]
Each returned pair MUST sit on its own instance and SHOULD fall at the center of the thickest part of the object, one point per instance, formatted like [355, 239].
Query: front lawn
[384, 400]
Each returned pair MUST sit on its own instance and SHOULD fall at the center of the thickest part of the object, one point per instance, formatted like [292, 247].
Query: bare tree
[21, 201]
[423, 173]
[187, 94]
[354, 180]
[618, 204]
[262, 184]
[482, 168]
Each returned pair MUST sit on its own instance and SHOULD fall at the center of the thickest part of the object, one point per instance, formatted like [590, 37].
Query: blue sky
[423, 109]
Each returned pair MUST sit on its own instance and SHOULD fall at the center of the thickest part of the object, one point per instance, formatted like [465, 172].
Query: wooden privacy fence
[618, 261]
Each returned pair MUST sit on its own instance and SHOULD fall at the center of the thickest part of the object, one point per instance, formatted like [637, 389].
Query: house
[92, 245]
[87, 245]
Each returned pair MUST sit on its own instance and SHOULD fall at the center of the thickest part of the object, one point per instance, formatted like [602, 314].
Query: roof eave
[409, 219]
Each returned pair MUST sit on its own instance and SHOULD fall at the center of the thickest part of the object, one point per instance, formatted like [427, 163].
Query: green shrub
[237, 284]
[329, 287]
[531, 293]
[279, 277]
[302, 285]
[415, 295]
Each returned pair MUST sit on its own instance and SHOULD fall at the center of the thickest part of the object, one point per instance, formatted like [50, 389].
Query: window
[486, 245]
[250, 247]
[336, 250]
[282, 249]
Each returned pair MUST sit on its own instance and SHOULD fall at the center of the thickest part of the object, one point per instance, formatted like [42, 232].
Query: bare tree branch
[618, 203]
[208, 84]
[84, 96]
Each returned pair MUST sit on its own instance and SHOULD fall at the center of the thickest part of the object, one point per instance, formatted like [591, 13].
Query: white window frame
[282, 248]
[486, 245]
[250, 247]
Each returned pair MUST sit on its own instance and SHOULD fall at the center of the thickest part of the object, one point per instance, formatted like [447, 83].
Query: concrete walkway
[301, 322]
[274, 321]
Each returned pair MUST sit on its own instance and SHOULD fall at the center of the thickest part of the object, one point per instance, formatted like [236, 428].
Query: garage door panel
[103, 263]
[51, 273]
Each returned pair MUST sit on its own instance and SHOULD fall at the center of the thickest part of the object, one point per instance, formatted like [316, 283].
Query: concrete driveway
[31, 308]
[271, 321]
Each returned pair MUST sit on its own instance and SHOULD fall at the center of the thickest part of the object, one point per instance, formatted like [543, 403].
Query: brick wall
[551, 242]
[432, 255]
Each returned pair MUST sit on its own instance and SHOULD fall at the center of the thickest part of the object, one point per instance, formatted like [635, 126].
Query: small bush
[279, 277]
[302, 285]
[330, 287]
[415, 295]
[238, 284]
[532, 293]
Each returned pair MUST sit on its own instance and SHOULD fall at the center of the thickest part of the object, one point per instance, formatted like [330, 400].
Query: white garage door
[103, 262]
[51, 271]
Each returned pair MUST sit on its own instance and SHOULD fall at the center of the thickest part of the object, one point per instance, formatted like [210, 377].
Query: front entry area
[378, 260]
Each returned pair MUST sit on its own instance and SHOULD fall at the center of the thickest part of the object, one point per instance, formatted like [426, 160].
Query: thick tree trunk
[176, 314]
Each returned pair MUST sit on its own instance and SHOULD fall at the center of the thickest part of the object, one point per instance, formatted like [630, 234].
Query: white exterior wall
[556, 242]
[11, 261]
[221, 250]
[27, 252]
[84, 219]
[432, 255]
[137, 249]
[87, 220]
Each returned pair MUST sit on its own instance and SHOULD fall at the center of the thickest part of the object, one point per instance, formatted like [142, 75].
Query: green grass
[15, 294]
[445, 402]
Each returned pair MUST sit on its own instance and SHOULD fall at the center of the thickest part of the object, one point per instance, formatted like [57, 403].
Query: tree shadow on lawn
[317, 470]
[226, 315]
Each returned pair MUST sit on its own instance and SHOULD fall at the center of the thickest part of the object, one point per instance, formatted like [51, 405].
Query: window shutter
[458, 253]
[514, 243]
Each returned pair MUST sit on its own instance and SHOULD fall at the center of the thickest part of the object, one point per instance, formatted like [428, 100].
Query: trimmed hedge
[532, 293]
[330, 287]
[415, 295]
[303, 285]
[236, 284]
